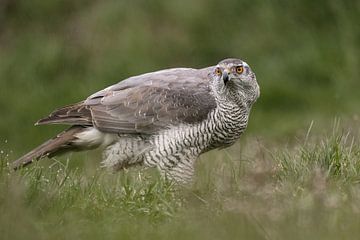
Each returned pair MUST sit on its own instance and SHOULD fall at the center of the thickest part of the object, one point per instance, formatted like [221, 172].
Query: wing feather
[75, 114]
[144, 104]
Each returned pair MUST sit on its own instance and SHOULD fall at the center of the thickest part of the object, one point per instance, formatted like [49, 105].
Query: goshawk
[162, 119]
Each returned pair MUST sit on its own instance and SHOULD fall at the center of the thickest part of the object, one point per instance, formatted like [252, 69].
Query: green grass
[298, 191]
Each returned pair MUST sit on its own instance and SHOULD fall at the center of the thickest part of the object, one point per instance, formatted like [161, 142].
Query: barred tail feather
[55, 146]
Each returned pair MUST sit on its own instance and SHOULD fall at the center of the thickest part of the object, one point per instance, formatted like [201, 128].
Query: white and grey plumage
[163, 119]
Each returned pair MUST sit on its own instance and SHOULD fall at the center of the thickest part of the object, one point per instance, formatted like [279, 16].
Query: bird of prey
[162, 119]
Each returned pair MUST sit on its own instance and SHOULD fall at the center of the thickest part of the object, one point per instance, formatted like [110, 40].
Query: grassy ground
[259, 191]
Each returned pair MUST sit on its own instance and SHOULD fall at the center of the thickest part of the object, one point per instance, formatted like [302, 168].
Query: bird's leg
[182, 172]
[177, 166]
[124, 153]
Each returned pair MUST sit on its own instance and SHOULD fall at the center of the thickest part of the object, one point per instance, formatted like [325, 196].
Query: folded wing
[144, 104]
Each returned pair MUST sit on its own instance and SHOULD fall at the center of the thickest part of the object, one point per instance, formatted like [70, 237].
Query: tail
[61, 143]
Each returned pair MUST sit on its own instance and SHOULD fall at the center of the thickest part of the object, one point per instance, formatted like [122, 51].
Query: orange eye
[239, 69]
[218, 71]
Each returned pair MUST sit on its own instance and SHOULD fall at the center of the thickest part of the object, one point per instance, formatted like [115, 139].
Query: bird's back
[143, 104]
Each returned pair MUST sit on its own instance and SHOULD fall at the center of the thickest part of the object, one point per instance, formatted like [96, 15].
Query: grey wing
[143, 104]
[150, 102]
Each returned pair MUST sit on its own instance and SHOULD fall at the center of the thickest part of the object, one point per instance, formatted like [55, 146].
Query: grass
[306, 190]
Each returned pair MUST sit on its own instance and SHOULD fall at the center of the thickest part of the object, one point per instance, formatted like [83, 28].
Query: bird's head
[233, 80]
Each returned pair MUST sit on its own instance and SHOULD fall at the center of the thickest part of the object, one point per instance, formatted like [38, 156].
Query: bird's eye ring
[218, 71]
[239, 69]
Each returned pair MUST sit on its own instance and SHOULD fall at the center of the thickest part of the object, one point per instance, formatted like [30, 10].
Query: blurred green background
[53, 53]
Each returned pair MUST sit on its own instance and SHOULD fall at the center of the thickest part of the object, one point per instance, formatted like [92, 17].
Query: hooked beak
[225, 77]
